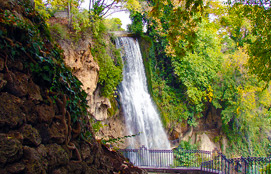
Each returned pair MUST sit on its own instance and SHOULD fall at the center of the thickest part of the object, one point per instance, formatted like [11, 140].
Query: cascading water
[139, 110]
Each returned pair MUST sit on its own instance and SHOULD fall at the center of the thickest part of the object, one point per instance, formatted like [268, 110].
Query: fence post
[243, 160]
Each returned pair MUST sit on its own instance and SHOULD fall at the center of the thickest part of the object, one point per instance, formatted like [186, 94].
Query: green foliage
[169, 100]
[30, 35]
[40, 7]
[260, 49]
[114, 106]
[198, 68]
[59, 31]
[117, 140]
[244, 114]
[266, 169]
[137, 23]
[109, 60]
[196, 62]
[113, 24]
[182, 155]
[251, 25]
[96, 125]
[80, 20]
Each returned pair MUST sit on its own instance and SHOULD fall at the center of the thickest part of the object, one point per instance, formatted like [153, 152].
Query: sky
[123, 16]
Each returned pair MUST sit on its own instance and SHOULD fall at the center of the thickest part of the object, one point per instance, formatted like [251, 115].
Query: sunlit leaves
[241, 98]
[133, 5]
[260, 49]
[252, 25]
[198, 69]
[113, 24]
[110, 74]
[177, 21]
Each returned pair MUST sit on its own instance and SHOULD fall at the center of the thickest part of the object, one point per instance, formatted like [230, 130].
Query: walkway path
[195, 161]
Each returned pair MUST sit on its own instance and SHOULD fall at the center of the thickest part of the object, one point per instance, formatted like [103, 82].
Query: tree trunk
[69, 14]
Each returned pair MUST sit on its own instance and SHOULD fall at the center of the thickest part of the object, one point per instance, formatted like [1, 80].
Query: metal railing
[148, 157]
[248, 165]
[167, 158]
[251, 2]
[208, 161]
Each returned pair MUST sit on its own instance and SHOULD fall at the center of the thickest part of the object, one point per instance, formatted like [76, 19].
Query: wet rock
[56, 156]
[11, 114]
[31, 135]
[45, 113]
[17, 83]
[15, 167]
[10, 149]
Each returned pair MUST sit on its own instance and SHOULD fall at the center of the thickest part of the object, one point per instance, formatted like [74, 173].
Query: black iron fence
[209, 161]
[249, 165]
[167, 158]
[148, 157]
[250, 2]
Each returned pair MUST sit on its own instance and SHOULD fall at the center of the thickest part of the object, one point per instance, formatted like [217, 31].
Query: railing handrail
[205, 160]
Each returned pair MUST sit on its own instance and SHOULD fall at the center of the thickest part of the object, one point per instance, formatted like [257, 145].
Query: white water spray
[140, 113]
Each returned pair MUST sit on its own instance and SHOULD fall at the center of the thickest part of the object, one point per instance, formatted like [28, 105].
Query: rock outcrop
[207, 134]
[79, 58]
[86, 69]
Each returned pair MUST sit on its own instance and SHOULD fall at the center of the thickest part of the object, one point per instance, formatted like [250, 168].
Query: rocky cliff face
[207, 134]
[86, 69]
[36, 134]
[78, 57]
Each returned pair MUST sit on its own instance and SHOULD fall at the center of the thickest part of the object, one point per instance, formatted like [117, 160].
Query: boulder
[17, 83]
[2, 64]
[10, 149]
[3, 82]
[31, 136]
[16, 167]
[205, 143]
[45, 113]
[34, 91]
[11, 114]
[34, 162]
[57, 156]
[57, 133]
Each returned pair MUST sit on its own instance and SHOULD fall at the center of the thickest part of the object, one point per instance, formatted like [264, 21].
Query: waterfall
[140, 112]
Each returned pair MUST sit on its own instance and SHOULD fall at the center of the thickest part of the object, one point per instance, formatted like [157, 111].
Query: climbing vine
[27, 38]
